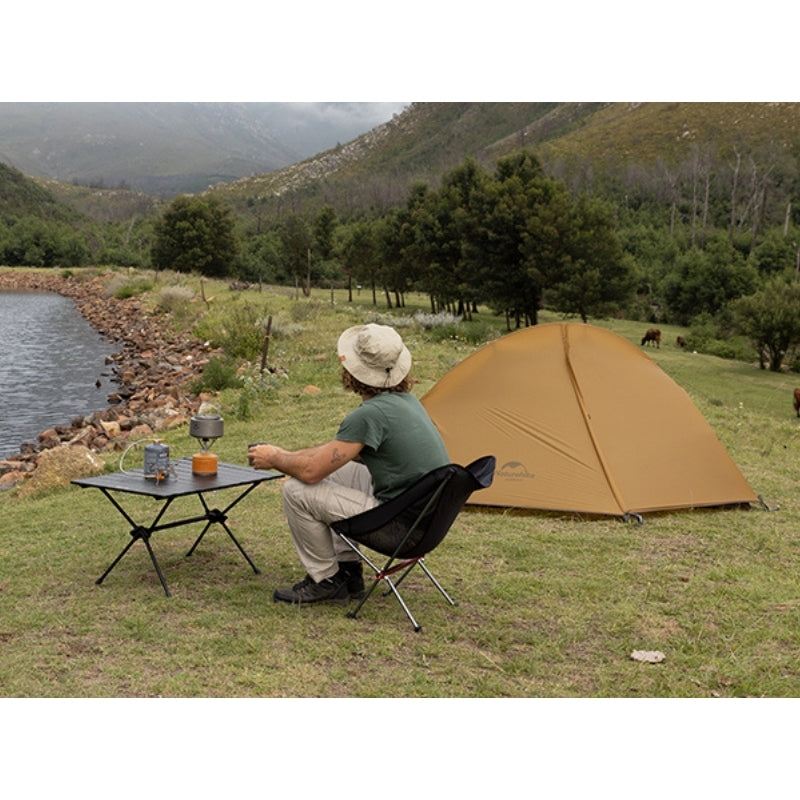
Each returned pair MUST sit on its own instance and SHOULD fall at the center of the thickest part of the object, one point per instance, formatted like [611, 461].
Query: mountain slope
[21, 196]
[376, 169]
[645, 132]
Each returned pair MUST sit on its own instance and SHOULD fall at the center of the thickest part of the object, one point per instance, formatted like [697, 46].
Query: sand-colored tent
[581, 420]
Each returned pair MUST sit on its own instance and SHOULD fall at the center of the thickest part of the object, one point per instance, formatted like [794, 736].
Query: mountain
[377, 168]
[374, 169]
[21, 196]
[163, 149]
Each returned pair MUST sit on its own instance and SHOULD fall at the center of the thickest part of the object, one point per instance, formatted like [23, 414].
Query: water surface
[51, 360]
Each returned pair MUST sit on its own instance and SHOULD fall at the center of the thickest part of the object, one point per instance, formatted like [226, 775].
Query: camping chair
[407, 527]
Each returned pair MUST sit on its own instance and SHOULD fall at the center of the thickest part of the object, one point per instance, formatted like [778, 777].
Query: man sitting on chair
[380, 449]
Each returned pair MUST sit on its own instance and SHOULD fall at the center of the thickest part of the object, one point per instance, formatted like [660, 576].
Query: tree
[770, 318]
[706, 280]
[196, 235]
[260, 259]
[324, 227]
[419, 239]
[296, 250]
[592, 274]
[457, 207]
[516, 232]
[775, 254]
[358, 252]
[389, 242]
[32, 242]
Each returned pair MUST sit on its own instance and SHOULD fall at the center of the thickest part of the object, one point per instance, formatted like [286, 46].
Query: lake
[50, 362]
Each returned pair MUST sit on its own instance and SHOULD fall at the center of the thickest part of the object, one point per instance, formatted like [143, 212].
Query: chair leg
[436, 583]
[417, 626]
[352, 614]
[381, 575]
[427, 571]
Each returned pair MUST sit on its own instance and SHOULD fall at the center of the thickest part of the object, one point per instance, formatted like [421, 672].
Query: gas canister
[156, 461]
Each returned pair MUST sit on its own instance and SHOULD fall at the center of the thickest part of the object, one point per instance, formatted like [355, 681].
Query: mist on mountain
[165, 149]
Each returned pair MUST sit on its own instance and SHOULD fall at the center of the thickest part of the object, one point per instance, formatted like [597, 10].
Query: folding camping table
[180, 482]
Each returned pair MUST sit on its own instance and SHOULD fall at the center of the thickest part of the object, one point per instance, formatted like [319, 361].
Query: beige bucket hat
[374, 354]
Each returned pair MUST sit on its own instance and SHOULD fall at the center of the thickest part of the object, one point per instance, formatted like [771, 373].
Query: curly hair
[353, 385]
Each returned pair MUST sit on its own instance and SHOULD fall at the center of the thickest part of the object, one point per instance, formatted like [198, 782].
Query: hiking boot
[354, 575]
[332, 590]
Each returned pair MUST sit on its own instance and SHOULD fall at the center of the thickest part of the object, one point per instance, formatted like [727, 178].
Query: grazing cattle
[797, 402]
[681, 341]
[652, 335]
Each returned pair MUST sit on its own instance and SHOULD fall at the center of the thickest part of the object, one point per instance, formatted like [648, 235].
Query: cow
[797, 402]
[652, 335]
[681, 341]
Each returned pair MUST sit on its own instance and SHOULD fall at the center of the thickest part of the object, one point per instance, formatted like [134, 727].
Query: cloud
[314, 127]
[343, 115]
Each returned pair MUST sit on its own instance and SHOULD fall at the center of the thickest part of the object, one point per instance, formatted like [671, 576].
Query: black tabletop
[180, 480]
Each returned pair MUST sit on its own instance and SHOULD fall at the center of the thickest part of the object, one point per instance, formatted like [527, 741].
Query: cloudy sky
[346, 116]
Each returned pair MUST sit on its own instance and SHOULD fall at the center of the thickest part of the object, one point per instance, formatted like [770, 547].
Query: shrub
[447, 327]
[240, 332]
[302, 310]
[122, 288]
[283, 329]
[254, 389]
[441, 320]
[219, 374]
[710, 335]
[172, 298]
[737, 348]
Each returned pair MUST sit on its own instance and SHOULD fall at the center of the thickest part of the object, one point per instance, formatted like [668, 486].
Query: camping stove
[205, 428]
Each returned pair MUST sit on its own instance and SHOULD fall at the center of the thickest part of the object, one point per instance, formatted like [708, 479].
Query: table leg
[210, 517]
[214, 515]
[138, 532]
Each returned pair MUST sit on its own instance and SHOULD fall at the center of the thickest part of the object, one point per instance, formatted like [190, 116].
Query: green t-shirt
[401, 444]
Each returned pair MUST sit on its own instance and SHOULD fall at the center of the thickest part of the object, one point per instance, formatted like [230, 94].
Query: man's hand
[310, 465]
[261, 456]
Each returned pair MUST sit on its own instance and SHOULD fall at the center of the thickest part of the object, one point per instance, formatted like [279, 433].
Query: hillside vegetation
[643, 133]
[430, 138]
[20, 197]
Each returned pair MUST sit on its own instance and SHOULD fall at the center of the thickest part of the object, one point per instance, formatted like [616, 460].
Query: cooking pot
[206, 426]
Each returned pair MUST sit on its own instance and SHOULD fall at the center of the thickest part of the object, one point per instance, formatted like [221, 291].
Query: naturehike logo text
[514, 471]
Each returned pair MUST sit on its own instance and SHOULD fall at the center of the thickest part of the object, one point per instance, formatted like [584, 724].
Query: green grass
[549, 605]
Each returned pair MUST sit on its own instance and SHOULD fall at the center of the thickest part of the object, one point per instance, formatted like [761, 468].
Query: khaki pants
[311, 508]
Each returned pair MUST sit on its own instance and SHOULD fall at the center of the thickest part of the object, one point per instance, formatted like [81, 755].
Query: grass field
[549, 605]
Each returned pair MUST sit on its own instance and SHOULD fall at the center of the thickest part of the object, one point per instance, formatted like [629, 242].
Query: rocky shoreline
[152, 371]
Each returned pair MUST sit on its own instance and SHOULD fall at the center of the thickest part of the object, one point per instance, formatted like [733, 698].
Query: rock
[111, 428]
[49, 438]
[8, 466]
[55, 468]
[648, 656]
[141, 431]
[8, 480]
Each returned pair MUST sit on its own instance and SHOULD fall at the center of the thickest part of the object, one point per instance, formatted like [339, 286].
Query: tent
[581, 420]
